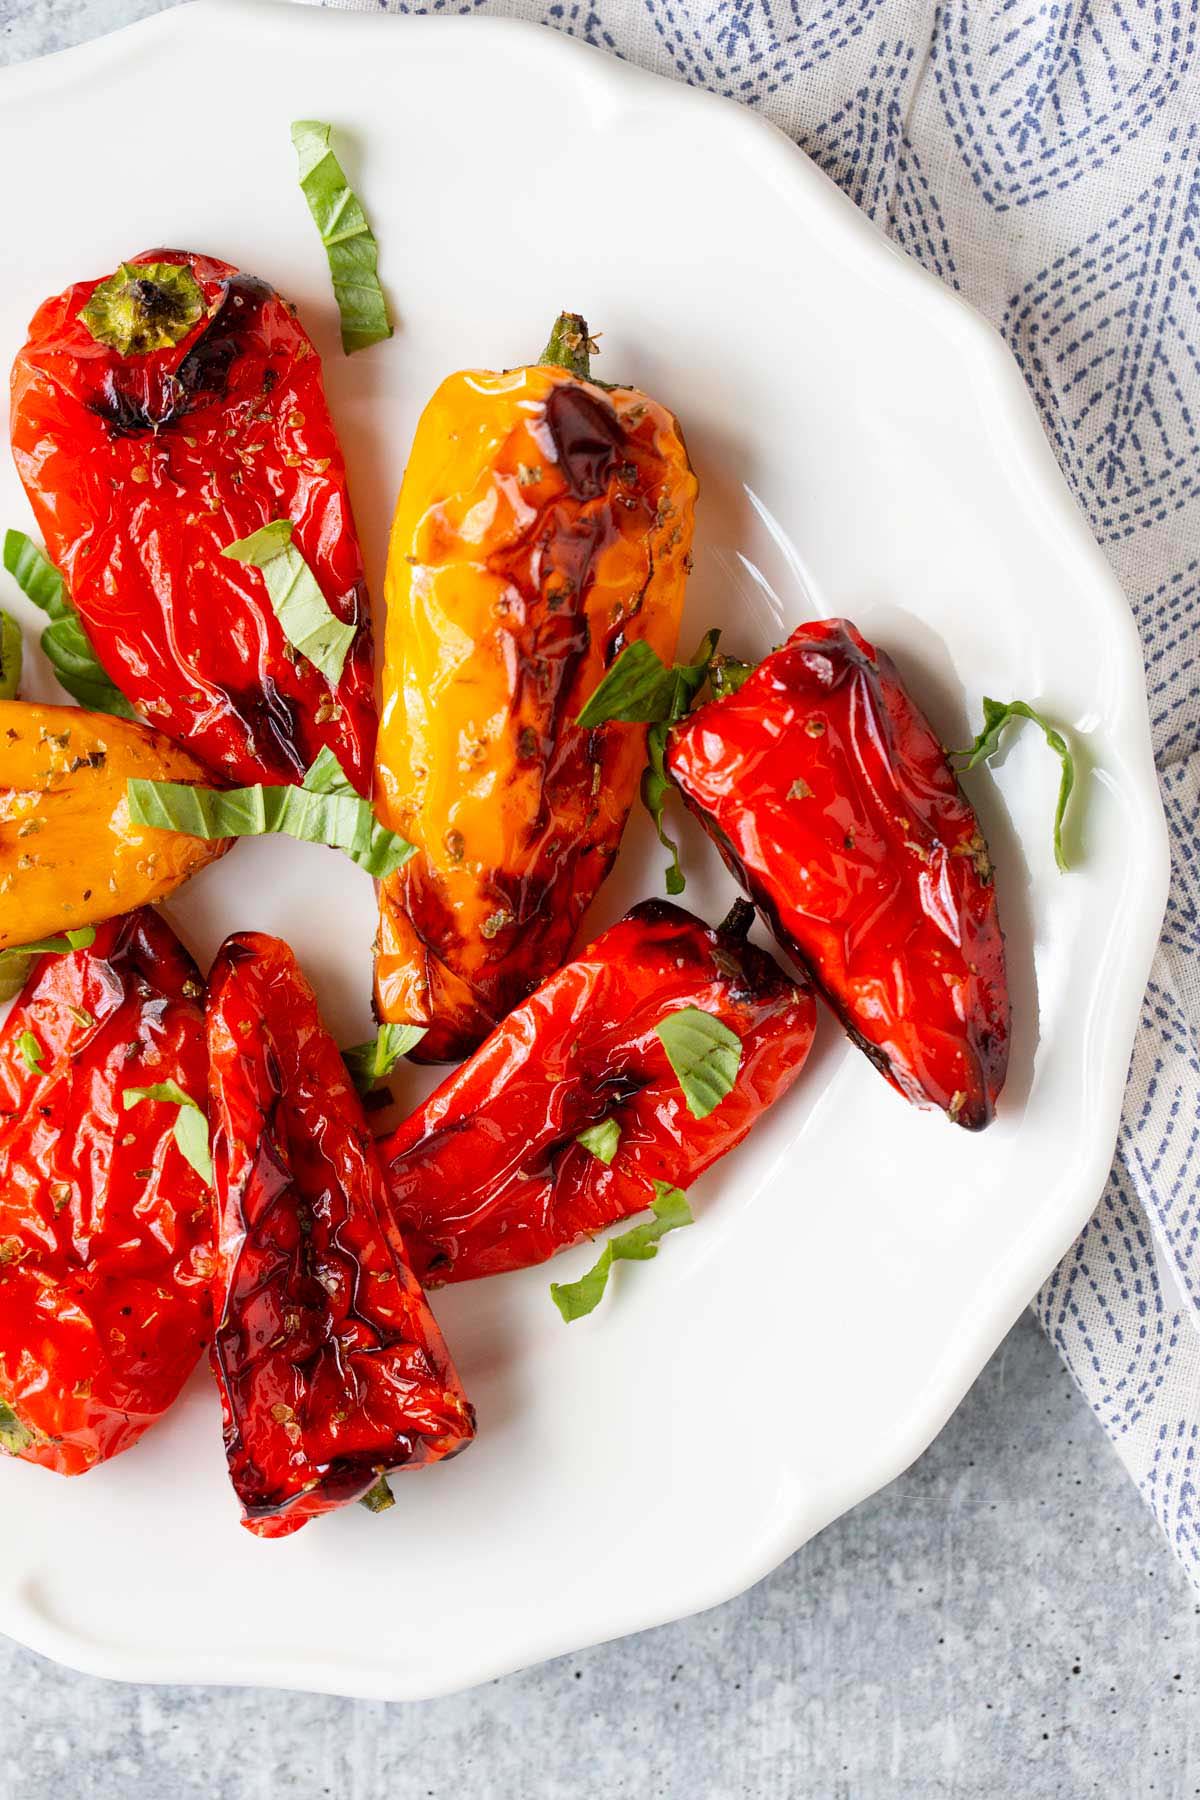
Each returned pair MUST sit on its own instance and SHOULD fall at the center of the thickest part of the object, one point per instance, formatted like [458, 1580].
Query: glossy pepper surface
[544, 523]
[145, 457]
[330, 1365]
[69, 853]
[489, 1175]
[105, 1227]
[830, 797]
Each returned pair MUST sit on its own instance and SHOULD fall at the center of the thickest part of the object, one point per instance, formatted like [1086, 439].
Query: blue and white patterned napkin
[1043, 158]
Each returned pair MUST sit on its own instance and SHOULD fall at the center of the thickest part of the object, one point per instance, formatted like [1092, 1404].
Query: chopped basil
[11, 649]
[640, 688]
[656, 785]
[996, 715]
[64, 641]
[671, 1210]
[325, 810]
[191, 1126]
[374, 1061]
[304, 614]
[705, 1055]
[349, 242]
[14, 1437]
[602, 1139]
[635, 689]
[31, 1052]
[15, 963]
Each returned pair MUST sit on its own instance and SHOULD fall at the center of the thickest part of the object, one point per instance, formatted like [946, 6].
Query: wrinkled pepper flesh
[196, 417]
[105, 1227]
[544, 523]
[330, 1365]
[69, 853]
[489, 1174]
[829, 796]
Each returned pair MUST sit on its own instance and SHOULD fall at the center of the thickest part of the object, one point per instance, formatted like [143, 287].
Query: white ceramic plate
[865, 446]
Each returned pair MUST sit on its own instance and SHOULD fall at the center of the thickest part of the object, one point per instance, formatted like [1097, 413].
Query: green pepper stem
[570, 346]
[378, 1498]
[144, 307]
[737, 921]
[726, 675]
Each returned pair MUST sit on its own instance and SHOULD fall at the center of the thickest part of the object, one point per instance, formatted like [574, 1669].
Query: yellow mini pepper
[69, 854]
[544, 523]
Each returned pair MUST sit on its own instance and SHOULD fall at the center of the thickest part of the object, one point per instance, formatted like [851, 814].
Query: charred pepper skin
[488, 1174]
[329, 1362]
[69, 853]
[141, 468]
[832, 801]
[105, 1228]
[544, 523]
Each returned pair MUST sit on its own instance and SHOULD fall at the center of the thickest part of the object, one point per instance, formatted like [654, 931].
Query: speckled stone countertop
[1003, 1620]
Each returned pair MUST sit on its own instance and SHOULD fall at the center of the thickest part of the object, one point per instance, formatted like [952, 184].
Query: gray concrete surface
[1003, 1620]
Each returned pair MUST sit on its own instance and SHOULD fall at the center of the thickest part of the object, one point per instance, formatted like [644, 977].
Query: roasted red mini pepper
[490, 1175]
[158, 417]
[105, 1261]
[831, 799]
[330, 1365]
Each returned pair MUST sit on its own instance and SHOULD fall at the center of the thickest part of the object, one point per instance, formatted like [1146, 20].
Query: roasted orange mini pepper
[545, 522]
[69, 853]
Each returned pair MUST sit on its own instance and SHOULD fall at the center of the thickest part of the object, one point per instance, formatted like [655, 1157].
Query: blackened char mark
[588, 439]
[134, 400]
[270, 721]
[204, 371]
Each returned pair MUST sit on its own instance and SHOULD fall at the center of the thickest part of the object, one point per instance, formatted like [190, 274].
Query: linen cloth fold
[1044, 160]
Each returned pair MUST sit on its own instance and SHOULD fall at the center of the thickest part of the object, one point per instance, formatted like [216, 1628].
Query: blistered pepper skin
[329, 1362]
[488, 1175]
[543, 524]
[105, 1228]
[69, 853]
[831, 799]
[142, 468]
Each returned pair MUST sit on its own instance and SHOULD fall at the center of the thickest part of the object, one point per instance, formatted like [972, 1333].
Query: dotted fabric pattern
[1043, 158]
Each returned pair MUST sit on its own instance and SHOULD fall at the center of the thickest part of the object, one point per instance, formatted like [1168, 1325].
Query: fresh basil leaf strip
[14, 1437]
[11, 656]
[83, 939]
[308, 623]
[642, 689]
[656, 785]
[31, 1052]
[638, 687]
[705, 1055]
[327, 814]
[64, 641]
[14, 972]
[349, 242]
[372, 1062]
[16, 963]
[602, 1139]
[191, 1135]
[671, 1210]
[999, 713]
[191, 1127]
